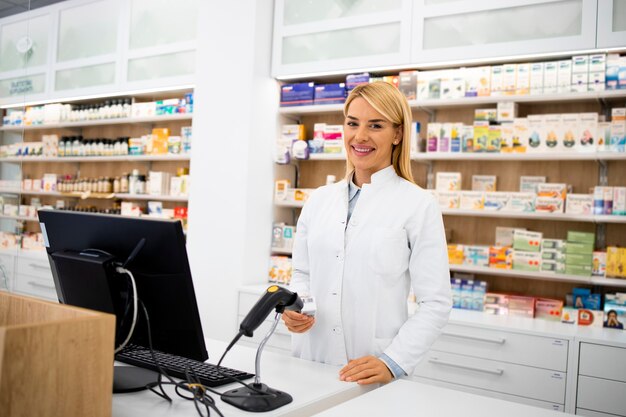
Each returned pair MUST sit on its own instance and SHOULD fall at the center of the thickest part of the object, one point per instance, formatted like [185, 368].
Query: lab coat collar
[381, 177]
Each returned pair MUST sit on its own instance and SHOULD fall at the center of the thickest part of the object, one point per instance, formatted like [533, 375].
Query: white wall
[234, 127]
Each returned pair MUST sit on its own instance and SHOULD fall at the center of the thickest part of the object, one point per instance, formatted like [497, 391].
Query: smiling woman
[358, 261]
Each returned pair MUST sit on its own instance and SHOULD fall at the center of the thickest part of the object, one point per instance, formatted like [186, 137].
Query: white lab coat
[360, 275]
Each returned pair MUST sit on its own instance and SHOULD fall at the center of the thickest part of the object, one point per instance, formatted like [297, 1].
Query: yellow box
[455, 254]
[160, 141]
[613, 261]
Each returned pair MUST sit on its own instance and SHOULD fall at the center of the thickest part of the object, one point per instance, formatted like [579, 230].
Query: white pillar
[234, 127]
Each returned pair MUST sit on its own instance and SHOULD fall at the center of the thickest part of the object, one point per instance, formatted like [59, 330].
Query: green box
[578, 259]
[526, 241]
[553, 255]
[583, 237]
[578, 247]
[583, 270]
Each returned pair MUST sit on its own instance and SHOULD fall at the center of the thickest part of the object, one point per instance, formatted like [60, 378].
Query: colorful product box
[615, 261]
[553, 190]
[467, 294]
[617, 142]
[563, 128]
[507, 132]
[526, 261]
[591, 318]
[472, 200]
[521, 306]
[299, 94]
[520, 134]
[509, 79]
[484, 182]
[481, 136]
[578, 259]
[478, 295]
[528, 184]
[553, 244]
[597, 63]
[485, 115]
[494, 139]
[552, 266]
[549, 205]
[497, 304]
[504, 235]
[524, 240]
[535, 140]
[522, 82]
[408, 84]
[584, 237]
[455, 285]
[433, 136]
[506, 111]
[586, 132]
[555, 255]
[445, 138]
[579, 204]
[598, 264]
[352, 80]
[330, 93]
[455, 254]
[496, 200]
[522, 202]
[614, 315]
[449, 199]
[500, 257]
[619, 201]
[477, 255]
[569, 315]
[467, 139]
[497, 81]
[448, 181]
[548, 309]
[455, 137]
[600, 206]
[579, 247]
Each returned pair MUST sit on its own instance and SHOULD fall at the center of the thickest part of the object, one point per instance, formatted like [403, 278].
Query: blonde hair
[391, 103]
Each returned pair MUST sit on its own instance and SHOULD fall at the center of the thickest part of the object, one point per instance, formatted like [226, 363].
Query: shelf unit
[100, 122]
[476, 227]
[106, 196]
[124, 158]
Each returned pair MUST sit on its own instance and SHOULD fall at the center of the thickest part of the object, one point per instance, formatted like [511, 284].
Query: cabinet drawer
[602, 361]
[589, 413]
[36, 286]
[541, 352]
[34, 267]
[601, 395]
[507, 378]
[281, 338]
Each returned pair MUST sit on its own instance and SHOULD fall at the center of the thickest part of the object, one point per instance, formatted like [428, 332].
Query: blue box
[352, 80]
[330, 93]
[300, 94]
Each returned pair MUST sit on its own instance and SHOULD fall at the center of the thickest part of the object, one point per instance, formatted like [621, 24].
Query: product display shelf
[30, 254]
[125, 158]
[150, 197]
[470, 101]
[545, 156]
[88, 194]
[325, 157]
[292, 204]
[101, 122]
[544, 276]
[587, 218]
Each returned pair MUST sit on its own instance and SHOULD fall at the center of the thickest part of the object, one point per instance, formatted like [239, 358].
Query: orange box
[160, 141]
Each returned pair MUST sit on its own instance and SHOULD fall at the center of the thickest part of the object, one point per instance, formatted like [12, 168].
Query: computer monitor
[161, 271]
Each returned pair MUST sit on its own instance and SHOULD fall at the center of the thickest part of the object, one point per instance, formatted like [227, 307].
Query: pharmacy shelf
[89, 195]
[151, 197]
[19, 218]
[544, 156]
[125, 158]
[102, 122]
[544, 276]
[469, 101]
[325, 157]
[291, 204]
[536, 216]
[281, 251]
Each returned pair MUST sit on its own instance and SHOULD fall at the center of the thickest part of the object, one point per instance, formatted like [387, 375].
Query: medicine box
[597, 63]
[445, 138]
[524, 240]
[467, 138]
[496, 200]
[536, 78]
[506, 111]
[591, 318]
[553, 255]
[352, 80]
[584, 237]
[455, 285]
[504, 235]
[485, 115]
[408, 84]
[582, 270]
[433, 136]
[553, 244]
[579, 247]
[455, 254]
[619, 201]
[598, 264]
[578, 259]
[483, 183]
[536, 134]
[493, 139]
[497, 304]
[565, 131]
[521, 306]
[448, 181]
[579, 204]
[548, 309]
[501, 257]
[554, 190]
[524, 202]
[330, 93]
[472, 200]
[497, 86]
[564, 76]
[507, 132]
[477, 255]
[550, 77]
[526, 261]
[522, 82]
[615, 261]
[569, 315]
[449, 199]
[596, 81]
[509, 78]
[455, 137]
[580, 64]
[528, 184]
[299, 94]
[556, 267]
[549, 205]
[481, 136]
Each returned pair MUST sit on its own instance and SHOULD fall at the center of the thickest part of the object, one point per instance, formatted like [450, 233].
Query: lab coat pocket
[389, 254]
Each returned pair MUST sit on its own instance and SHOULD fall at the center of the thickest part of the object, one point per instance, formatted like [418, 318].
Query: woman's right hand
[296, 322]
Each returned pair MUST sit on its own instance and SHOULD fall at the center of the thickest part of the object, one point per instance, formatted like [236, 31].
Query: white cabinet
[340, 36]
[611, 23]
[601, 384]
[493, 361]
[33, 277]
[469, 30]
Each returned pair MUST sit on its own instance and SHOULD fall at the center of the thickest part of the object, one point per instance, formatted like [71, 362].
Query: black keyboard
[175, 366]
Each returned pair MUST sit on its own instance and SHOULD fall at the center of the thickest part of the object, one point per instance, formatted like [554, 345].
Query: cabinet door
[611, 23]
[327, 35]
[454, 30]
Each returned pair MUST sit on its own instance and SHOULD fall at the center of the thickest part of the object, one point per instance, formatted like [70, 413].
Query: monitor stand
[131, 379]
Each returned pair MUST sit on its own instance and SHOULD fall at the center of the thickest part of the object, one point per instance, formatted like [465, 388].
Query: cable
[121, 270]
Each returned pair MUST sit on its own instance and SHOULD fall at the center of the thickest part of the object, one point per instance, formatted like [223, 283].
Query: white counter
[313, 386]
[407, 398]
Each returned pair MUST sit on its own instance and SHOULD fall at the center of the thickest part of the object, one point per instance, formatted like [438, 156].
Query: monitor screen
[161, 271]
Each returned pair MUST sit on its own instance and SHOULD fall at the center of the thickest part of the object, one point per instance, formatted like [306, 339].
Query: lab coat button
[353, 222]
[337, 330]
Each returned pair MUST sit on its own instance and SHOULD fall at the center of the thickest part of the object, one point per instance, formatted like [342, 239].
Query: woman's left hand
[366, 370]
